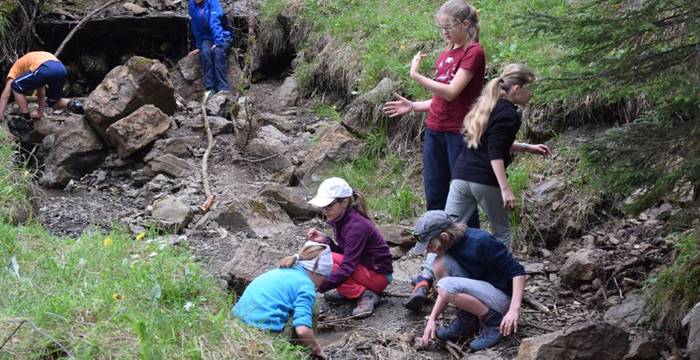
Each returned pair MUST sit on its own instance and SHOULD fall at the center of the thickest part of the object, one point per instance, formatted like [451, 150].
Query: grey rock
[279, 121]
[584, 265]
[288, 93]
[170, 165]
[336, 145]
[693, 322]
[179, 146]
[274, 152]
[139, 129]
[249, 261]
[134, 9]
[293, 204]
[220, 104]
[367, 107]
[398, 235]
[590, 340]
[626, 314]
[171, 213]
[74, 149]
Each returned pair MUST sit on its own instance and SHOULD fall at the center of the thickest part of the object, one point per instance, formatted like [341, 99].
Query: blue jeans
[215, 65]
[440, 151]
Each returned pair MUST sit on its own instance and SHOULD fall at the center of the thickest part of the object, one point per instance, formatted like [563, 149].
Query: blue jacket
[487, 259]
[206, 22]
[271, 298]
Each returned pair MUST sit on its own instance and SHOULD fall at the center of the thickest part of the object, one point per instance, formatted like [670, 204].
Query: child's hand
[540, 149]
[415, 63]
[193, 52]
[36, 115]
[315, 235]
[509, 325]
[508, 198]
[397, 108]
[428, 333]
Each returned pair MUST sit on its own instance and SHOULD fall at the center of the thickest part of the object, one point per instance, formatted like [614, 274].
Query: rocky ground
[130, 164]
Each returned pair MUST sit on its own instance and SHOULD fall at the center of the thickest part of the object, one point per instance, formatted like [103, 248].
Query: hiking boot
[365, 304]
[334, 296]
[76, 107]
[489, 332]
[419, 295]
[464, 325]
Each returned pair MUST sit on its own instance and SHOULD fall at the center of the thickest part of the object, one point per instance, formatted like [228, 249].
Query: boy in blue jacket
[213, 42]
[475, 273]
[286, 296]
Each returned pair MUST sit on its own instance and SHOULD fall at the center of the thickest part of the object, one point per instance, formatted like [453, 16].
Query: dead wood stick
[253, 161]
[454, 349]
[12, 333]
[391, 294]
[616, 269]
[210, 145]
[80, 24]
[536, 304]
[543, 328]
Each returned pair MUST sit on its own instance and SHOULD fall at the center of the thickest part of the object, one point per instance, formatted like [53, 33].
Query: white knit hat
[322, 264]
[329, 190]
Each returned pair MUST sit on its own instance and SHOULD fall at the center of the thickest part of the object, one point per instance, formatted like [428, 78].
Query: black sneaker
[20, 127]
[418, 297]
[334, 296]
[76, 107]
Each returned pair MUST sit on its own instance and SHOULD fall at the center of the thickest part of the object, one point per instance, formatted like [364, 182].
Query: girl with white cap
[288, 291]
[361, 259]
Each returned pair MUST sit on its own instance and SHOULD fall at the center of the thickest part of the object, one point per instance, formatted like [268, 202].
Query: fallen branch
[33, 325]
[536, 304]
[454, 349]
[253, 161]
[540, 327]
[210, 145]
[80, 24]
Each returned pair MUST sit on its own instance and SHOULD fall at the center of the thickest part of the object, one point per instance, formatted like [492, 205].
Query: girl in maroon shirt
[459, 77]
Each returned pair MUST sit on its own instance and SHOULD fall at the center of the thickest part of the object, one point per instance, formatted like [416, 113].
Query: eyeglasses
[447, 28]
[329, 206]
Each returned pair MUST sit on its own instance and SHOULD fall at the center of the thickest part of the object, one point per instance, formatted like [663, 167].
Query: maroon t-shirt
[446, 115]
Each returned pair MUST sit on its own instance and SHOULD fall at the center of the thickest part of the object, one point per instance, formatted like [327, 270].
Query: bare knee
[439, 268]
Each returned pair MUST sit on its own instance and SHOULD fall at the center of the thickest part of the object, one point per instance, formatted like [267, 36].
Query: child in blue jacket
[288, 291]
[212, 40]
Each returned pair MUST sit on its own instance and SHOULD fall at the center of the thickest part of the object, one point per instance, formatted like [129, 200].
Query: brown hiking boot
[365, 304]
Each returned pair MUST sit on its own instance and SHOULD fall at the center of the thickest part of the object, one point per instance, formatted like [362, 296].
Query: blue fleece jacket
[271, 298]
[487, 259]
[206, 22]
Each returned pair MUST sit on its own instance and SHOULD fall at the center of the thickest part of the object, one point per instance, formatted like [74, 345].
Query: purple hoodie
[360, 242]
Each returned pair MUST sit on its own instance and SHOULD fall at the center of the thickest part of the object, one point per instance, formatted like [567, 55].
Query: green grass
[387, 186]
[385, 34]
[112, 295]
[327, 111]
[674, 290]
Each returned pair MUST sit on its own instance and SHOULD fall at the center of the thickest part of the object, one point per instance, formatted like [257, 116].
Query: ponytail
[461, 10]
[478, 117]
[307, 253]
[359, 203]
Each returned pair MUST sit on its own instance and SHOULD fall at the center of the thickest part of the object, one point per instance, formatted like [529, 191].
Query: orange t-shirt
[29, 62]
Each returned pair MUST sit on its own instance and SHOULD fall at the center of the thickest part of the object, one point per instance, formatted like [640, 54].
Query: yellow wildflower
[140, 236]
[107, 242]
[117, 297]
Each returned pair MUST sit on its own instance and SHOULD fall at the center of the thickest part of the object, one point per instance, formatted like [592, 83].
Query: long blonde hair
[476, 120]
[461, 10]
[306, 253]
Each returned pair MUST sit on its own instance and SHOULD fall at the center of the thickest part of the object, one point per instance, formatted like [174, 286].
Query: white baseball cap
[329, 190]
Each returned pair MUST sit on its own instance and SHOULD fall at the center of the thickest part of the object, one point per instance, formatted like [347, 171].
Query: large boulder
[288, 93]
[366, 108]
[249, 261]
[187, 76]
[584, 265]
[128, 87]
[336, 145]
[271, 155]
[693, 322]
[629, 313]
[73, 150]
[178, 146]
[138, 130]
[254, 217]
[586, 341]
[168, 164]
[398, 235]
[292, 203]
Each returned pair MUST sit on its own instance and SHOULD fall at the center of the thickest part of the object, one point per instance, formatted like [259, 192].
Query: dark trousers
[51, 74]
[440, 152]
[215, 65]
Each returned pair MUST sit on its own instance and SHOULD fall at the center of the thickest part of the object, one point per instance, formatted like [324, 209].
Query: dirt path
[107, 197]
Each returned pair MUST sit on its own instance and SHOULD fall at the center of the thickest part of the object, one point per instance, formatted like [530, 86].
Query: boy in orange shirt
[40, 71]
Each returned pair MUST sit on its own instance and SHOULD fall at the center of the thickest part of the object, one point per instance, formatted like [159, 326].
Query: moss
[261, 209]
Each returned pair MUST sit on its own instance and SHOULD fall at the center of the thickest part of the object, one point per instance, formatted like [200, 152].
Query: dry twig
[210, 145]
